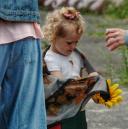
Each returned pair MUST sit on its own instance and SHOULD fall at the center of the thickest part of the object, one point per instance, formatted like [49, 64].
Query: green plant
[123, 72]
[117, 12]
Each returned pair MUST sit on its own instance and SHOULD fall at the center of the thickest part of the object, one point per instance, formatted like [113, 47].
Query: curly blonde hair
[60, 21]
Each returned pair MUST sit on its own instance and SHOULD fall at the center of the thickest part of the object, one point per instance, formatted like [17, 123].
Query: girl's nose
[73, 46]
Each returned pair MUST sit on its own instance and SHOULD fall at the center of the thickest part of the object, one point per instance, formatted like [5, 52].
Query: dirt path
[100, 117]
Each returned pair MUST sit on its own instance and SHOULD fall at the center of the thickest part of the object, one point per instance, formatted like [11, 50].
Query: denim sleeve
[20, 10]
[126, 38]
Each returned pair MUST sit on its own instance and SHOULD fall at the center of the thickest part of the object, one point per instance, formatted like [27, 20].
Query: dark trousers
[77, 122]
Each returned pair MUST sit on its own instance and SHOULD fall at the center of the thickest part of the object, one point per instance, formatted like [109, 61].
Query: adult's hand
[115, 37]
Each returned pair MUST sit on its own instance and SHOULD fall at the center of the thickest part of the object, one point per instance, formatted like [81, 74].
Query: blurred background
[100, 15]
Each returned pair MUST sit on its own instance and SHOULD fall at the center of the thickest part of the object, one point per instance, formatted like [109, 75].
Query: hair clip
[70, 14]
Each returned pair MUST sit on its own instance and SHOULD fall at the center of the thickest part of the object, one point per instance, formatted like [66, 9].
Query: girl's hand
[93, 74]
[57, 74]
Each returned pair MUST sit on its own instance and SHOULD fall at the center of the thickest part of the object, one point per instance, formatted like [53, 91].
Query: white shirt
[69, 66]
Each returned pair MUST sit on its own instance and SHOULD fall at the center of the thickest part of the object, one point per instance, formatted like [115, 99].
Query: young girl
[63, 29]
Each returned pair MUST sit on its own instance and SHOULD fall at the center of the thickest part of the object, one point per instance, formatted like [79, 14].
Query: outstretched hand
[115, 38]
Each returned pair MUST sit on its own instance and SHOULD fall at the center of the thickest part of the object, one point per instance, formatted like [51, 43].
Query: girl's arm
[57, 74]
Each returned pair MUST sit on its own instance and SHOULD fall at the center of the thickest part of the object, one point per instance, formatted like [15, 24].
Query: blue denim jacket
[19, 10]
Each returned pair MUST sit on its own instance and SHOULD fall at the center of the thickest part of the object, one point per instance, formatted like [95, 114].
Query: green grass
[117, 12]
[123, 72]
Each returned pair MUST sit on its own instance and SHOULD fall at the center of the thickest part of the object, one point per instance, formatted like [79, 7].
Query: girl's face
[66, 45]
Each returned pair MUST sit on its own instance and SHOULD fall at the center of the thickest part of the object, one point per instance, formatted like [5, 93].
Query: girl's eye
[69, 43]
